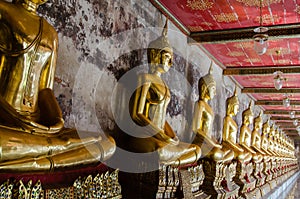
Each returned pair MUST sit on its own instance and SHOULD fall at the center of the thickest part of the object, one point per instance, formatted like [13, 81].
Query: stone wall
[102, 40]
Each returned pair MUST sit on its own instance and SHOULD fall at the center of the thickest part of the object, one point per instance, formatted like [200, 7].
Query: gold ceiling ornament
[206, 24]
[274, 51]
[243, 45]
[268, 19]
[253, 60]
[199, 4]
[199, 28]
[226, 17]
[257, 2]
[195, 28]
[233, 64]
[235, 53]
[284, 61]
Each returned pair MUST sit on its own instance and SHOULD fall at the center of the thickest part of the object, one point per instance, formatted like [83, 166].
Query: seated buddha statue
[281, 143]
[264, 140]
[32, 133]
[230, 130]
[245, 132]
[256, 137]
[271, 141]
[148, 106]
[203, 121]
[276, 142]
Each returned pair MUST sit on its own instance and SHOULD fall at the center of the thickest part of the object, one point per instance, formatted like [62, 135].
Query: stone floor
[294, 193]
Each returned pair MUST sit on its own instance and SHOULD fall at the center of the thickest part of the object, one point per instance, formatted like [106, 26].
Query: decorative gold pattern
[199, 4]
[199, 28]
[105, 185]
[206, 24]
[197, 177]
[235, 53]
[168, 181]
[226, 17]
[102, 186]
[244, 45]
[268, 19]
[9, 190]
[252, 60]
[257, 2]
[195, 28]
[273, 51]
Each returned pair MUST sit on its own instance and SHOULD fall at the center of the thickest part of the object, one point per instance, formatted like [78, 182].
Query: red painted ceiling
[210, 15]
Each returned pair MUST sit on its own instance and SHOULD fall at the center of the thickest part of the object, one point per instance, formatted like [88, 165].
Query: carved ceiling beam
[294, 135]
[280, 112]
[275, 102]
[270, 90]
[244, 34]
[285, 125]
[288, 132]
[283, 118]
[255, 70]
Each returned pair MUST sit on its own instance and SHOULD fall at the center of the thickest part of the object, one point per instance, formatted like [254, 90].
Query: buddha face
[211, 91]
[165, 60]
[258, 125]
[235, 109]
[248, 119]
[266, 129]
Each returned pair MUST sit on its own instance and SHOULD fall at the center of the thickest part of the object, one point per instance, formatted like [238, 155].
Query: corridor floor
[294, 192]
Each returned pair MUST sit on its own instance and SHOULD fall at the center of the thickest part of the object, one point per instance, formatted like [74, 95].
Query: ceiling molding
[244, 34]
[283, 118]
[291, 131]
[276, 102]
[270, 90]
[280, 112]
[255, 70]
[284, 125]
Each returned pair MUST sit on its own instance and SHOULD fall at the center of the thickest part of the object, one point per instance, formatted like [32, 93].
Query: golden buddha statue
[281, 144]
[256, 137]
[245, 132]
[33, 137]
[264, 139]
[148, 107]
[276, 142]
[244, 176]
[286, 146]
[271, 141]
[203, 120]
[264, 147]
[230, 130]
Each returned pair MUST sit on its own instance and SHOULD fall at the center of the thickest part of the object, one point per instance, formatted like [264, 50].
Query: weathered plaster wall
[101, 40]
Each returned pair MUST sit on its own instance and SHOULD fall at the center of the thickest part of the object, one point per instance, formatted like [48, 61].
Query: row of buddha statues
[33, 137]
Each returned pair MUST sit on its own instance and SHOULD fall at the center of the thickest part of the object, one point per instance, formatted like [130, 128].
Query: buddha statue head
[207, 86]
[258, 121]
[266, 128]
[232, 104]
[160, 53]
[248, 115]
[272, 131]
